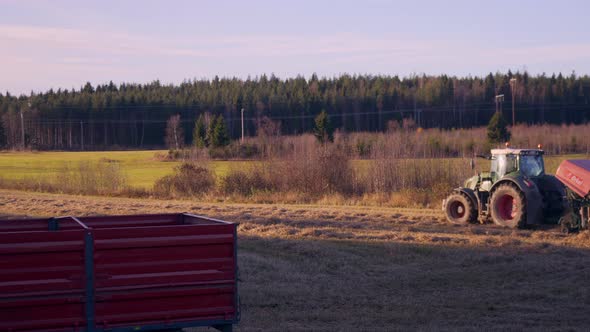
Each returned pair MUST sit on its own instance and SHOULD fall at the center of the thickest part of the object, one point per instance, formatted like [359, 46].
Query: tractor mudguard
[471, 194]
[550, 183]
[554, 195]
[534, 199]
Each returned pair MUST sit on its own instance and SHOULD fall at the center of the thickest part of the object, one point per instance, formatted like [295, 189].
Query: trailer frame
[85, 224]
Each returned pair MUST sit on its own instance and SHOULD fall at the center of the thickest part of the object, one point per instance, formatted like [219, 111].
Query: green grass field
[143, 169]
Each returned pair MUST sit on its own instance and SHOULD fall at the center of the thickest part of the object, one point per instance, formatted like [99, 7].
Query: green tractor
[515, 193]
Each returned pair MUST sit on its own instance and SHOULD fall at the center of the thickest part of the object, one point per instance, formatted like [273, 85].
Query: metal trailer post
[89, 271]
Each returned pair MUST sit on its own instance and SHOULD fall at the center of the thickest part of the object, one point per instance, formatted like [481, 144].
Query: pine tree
[220, 135]
[125, 114]
[323, 131]
[199, 133]
[498, 129]
[210, 133]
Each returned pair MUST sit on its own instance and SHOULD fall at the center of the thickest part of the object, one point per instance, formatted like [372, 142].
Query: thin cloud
[46, 55]
[203, 46]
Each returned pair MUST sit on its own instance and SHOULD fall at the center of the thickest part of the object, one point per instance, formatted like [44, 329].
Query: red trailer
[118, 273]
[575, 175]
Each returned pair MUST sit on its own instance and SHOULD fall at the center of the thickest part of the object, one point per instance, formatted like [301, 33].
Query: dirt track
[349, 268]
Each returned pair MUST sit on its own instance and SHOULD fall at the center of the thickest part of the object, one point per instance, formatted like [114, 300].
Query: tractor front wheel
[508, 207]
[460, 210]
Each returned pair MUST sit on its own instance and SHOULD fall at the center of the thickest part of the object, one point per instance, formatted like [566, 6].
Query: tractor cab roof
[516, 151]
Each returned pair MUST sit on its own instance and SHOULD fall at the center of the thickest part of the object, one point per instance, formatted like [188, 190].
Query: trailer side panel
[41, 278]
[576, 175]
[117, 273]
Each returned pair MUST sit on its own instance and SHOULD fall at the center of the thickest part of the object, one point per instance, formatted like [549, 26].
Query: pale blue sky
[53, 44]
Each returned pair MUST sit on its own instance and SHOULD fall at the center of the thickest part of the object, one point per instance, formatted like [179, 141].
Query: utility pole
[415, 112]
[242, 126]
[22, 125]
[496, 99]
[512, 88]
[82, 133]
[499, 101]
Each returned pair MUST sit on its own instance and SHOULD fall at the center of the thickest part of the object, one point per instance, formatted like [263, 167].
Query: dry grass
[407, 141]
[324, 171]
[326, 175]
[357, 268]
[403, 167]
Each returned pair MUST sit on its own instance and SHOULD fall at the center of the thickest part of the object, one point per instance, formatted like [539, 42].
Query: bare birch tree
[174, 133]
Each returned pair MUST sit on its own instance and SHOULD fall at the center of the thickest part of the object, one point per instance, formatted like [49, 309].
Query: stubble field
[306, 267]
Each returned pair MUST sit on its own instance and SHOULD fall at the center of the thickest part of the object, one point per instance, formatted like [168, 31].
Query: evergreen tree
[210, 133]
[199, 133]
[221, 135]
[323, 130]
[498, 129]
[134, 115]
[218, 135]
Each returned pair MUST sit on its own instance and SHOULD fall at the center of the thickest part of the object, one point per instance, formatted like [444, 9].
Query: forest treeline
[134, 115]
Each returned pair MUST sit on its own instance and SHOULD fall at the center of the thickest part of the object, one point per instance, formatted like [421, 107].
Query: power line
[298, 117]
[172, 107]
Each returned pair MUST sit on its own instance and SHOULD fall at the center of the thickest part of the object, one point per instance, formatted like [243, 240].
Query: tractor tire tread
[470, 209]
[521, 221]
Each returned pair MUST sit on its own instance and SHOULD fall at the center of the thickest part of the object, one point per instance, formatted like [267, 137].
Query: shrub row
[405, 141]
[324, 174]
[317, 175]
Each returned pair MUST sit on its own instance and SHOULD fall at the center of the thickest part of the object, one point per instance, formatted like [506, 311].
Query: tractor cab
[526, 162]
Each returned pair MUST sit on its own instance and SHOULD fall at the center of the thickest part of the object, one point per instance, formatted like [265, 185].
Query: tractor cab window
[503, 164]
[531, 165]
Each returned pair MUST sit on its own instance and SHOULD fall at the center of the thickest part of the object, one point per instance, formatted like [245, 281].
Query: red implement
[118, 273]
[576, 175]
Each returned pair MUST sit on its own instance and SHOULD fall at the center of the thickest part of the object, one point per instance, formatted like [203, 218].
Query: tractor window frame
[527, 168]
[503, 164]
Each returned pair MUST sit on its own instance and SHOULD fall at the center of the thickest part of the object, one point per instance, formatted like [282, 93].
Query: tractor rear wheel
[459, 209]
[508, 206]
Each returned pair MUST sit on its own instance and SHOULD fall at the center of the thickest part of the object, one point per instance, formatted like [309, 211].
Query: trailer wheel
[508, 206]
[459, 209]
